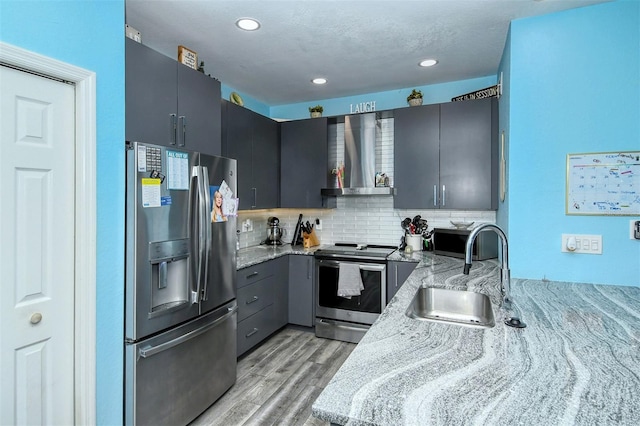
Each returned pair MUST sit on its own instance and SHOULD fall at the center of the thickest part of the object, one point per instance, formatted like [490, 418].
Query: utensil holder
[310, 240]
[415, 241]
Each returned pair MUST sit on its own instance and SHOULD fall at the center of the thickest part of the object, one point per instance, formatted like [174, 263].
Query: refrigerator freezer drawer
[173, 377]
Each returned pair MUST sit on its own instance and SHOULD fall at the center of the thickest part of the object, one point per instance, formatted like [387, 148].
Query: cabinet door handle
[444, 201]
[173, 129]
[435, 196]
[251, 333]
[253, 274]
[309, 269]
[396, 271]
[253, 299]
[183, 130]
[255, 197]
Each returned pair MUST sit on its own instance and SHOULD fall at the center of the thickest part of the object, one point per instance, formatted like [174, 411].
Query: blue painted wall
[574, 87]
[432, 94]
[249, 101]
[90, 34]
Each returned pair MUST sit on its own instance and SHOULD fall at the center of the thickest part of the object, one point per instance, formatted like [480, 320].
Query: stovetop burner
[356, 250]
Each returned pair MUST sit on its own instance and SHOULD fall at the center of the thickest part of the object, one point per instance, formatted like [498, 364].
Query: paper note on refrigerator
[151, 192]
[177, 170]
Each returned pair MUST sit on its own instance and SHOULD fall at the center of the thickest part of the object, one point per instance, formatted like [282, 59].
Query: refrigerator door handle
[200, 236]
[149, 351]
[195, 232]
[206, 230]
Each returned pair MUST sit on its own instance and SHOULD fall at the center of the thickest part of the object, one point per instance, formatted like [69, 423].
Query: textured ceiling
[359, 46]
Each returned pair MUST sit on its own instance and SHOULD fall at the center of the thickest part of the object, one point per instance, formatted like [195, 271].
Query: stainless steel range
[347, 318]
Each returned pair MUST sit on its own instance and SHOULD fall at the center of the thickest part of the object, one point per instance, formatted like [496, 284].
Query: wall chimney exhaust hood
[359, 158]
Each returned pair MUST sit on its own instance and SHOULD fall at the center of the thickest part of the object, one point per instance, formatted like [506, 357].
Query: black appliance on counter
[452, 242]
[345, 319]
[274, 232]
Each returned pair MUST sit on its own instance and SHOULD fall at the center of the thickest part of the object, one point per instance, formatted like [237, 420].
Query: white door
[37, 187]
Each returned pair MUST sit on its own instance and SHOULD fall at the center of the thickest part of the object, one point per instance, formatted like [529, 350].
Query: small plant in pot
[316, 111]
[415, 98]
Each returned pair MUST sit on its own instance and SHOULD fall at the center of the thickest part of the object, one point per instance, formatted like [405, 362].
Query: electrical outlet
[634, 229]
[582, 244]
[318, 224]
[247, 225]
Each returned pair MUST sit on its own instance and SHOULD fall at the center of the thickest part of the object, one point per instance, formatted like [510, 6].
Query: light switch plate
[584, 244]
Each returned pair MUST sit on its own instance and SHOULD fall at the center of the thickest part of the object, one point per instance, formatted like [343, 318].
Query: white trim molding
[85, 218]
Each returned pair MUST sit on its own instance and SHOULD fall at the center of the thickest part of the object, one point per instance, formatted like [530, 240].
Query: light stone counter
[576, 362]
[257, 254]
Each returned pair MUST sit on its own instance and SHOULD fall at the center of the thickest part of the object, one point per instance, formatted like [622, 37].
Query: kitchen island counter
[576, 362]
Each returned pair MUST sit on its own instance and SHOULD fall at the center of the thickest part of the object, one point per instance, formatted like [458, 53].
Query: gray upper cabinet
[304, 154]
[469, 155]
[416, 156]
[445, 156]
[168, 103]
[253, 141]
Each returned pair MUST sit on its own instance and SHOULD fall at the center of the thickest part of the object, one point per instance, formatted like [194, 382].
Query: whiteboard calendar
[605, 183]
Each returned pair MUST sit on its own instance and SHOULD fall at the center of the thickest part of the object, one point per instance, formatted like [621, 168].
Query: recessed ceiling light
[319, 80]
[247, 24]
[428, 63]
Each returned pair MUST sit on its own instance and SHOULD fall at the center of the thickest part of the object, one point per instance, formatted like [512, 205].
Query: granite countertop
[576, 362]
[257, 254]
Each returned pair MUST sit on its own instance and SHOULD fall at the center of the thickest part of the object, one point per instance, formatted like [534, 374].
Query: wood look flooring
[278, 381]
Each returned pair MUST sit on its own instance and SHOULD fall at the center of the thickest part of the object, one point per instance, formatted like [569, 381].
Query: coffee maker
[274, 232]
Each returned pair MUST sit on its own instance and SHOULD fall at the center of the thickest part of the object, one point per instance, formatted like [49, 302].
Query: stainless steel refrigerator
[180, 306]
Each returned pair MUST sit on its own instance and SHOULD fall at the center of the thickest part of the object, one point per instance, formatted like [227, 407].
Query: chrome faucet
[505, 274]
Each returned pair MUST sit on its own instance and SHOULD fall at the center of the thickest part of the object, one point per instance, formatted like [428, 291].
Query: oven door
[363, 309]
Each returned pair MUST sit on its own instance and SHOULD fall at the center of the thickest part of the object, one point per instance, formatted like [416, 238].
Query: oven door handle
[363, 266]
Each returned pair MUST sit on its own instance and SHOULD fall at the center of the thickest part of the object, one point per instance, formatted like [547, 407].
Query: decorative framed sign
[604, 183]
[188, 57]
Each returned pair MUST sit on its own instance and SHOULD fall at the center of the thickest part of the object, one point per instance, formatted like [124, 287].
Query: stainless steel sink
[452, 306]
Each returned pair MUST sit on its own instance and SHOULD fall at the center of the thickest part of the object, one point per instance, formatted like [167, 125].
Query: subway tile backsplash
[361, 219]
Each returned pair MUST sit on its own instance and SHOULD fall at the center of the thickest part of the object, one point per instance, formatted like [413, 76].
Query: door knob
[36, 318]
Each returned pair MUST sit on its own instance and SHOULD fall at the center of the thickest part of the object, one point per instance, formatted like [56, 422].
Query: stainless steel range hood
[359, 158]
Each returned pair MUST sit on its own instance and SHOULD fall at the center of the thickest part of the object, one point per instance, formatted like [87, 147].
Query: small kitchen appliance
[452, 241]
[274, 232]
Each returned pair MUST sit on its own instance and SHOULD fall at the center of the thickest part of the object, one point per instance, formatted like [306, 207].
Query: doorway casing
[85, 218]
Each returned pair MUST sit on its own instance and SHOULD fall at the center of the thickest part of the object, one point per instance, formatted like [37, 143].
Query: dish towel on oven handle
[349, 280]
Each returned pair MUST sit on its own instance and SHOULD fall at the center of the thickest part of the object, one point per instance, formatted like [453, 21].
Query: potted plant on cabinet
[415, 98]
[316, 111]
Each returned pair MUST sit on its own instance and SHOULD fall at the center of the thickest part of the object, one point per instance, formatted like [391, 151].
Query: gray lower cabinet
[304, 155]
[301, 279]
[262, 302]
[253, 140]
[446, 156]
[168, 103]
[397, 274]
